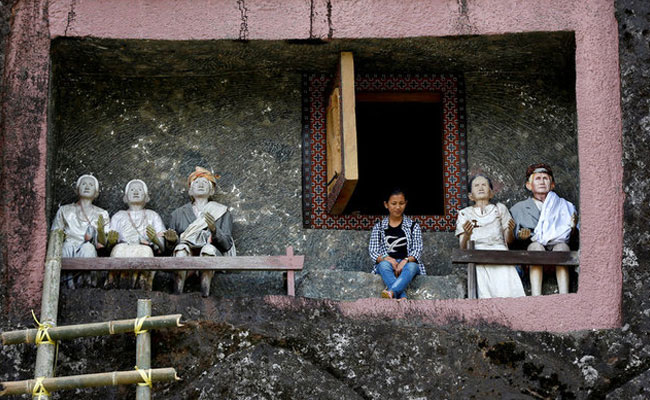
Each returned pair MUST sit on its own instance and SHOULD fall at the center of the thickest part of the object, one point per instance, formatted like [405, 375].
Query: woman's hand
[399, 267]
[392, 261]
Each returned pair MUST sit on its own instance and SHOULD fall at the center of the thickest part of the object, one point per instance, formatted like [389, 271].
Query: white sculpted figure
[547, 220]
[84, 225]
[491, 227]
[205, 227]
[137, 231]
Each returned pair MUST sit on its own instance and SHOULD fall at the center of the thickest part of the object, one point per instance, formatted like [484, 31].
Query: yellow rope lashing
[146, 377]
[137, 329]
[42, 336]
[39, 390]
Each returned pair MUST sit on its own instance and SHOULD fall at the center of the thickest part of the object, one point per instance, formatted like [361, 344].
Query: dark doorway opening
[399, 144]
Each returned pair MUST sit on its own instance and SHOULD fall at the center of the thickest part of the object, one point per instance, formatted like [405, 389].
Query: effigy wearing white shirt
[75, 221]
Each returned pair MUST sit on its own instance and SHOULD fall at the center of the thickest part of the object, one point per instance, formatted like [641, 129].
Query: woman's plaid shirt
[377, 246]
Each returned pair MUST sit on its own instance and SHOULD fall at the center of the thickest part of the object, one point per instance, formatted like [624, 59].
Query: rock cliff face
[5, 28]
[254, 348]
[274, 348]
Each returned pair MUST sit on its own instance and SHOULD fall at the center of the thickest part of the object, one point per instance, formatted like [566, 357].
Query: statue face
[136, 193]
[201, 187]
[87, 188]
[480, 189]
[540, 183]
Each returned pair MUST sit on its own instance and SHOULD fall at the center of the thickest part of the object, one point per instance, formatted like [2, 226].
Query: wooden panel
[333, 139]
[348, 117]
[253, 263]
[396, 97]
[343, 186]
[516, 257]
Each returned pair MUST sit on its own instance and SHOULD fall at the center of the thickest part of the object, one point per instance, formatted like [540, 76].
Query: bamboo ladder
[48, 333]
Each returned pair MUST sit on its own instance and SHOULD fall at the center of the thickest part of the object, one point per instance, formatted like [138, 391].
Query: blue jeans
[397, 285]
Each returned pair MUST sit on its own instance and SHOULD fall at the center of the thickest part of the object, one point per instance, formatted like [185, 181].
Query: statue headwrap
[202, 173]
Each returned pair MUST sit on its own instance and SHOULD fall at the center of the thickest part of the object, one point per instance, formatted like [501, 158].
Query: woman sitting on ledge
[395, 247]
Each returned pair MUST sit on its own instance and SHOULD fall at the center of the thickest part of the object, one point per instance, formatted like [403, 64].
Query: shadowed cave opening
[154, 109]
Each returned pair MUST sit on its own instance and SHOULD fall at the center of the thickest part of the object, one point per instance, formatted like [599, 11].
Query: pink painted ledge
[545, 313]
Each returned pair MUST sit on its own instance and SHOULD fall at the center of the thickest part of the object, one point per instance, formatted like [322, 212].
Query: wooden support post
[291, 281]
[471, 275]
[49, 306]
[143, 350]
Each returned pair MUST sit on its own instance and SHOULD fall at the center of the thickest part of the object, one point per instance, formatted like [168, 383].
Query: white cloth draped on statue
[555, 221]
[197, 233]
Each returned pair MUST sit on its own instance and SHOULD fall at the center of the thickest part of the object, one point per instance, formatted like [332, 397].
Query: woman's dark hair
[469, 184]
[394, 191]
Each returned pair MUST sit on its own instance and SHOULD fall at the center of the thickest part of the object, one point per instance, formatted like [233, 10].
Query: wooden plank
[397, 97]
[291, 283]
[509, 257]
[341, 192]
[333, 140]
[349, 119]
[253, 263]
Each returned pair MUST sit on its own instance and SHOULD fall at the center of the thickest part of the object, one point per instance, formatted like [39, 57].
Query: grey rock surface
[634, 52]
[307, 348]
[5, 30]
[636, 389]
[351, 285]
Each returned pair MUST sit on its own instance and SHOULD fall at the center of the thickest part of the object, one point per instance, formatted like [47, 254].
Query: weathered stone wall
[634, 31]
[514, 120]
[5, 28]
[23, 39]
[246, 125]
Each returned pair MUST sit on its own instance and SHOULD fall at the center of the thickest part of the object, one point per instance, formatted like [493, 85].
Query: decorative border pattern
[315, 87]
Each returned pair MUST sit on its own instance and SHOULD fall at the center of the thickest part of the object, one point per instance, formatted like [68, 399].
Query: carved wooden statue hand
[171, 236]
[101, 235]
[468, 227]
[113, 237]
[209, 219]
[151, 235]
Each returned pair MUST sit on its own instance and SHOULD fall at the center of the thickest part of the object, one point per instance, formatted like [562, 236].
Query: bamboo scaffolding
[50, 304]
[143, 350]
[44, 370]
[92, 329]
[86, 381]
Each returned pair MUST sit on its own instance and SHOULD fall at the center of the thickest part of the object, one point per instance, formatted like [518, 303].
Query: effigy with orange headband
[200, 172]
[202, 227]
